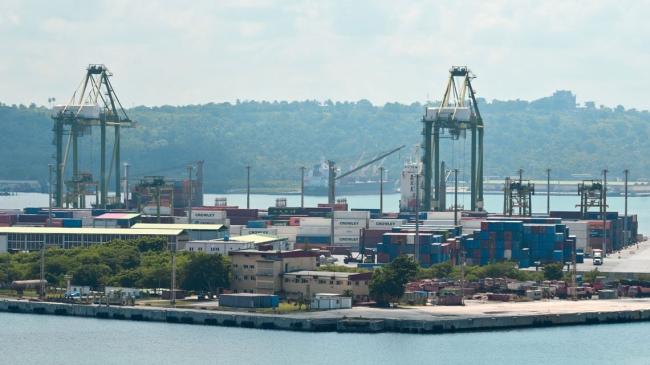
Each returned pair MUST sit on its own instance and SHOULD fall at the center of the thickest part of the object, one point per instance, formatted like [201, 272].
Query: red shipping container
[507, 236]
[484, 226]
[507, 245]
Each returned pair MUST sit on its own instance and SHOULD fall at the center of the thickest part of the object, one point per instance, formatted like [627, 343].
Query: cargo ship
[364, 183]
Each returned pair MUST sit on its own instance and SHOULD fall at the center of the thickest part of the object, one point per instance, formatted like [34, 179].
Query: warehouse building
[306, 284]
[194, 231]
[15, 239]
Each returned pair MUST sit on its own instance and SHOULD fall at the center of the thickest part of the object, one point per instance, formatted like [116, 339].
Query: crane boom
[370, 162]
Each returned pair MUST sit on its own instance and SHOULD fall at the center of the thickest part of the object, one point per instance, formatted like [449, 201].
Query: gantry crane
[592, 193]
[517, 194]
[457, 113]
[94, 103]
[333, 173]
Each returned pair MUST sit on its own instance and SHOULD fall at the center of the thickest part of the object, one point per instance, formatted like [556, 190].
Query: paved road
[629, 260]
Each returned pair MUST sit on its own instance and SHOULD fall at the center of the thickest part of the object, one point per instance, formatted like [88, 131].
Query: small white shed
[330, 301]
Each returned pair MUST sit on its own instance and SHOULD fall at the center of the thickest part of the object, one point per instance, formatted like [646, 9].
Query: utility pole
[173, 293]
[189, 198]
[521, 175]
[462, 273]
[49, 208]
[548, 192]
[604, 212]
[455, 197]
[41, 295]
[248, 187]
[381, 191]
[625, 226]
[417, 217]
[302, 186]
[126, 185]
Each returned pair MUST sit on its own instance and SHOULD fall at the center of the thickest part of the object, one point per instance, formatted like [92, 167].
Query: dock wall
[320, 324]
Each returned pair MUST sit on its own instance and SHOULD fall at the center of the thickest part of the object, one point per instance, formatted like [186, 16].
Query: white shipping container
[410, 239]
[507, 254]
[287, 229]
[385, 223]
[440, 216]
[314, 221]
[346, 231]
[314, 231]
[267, 231]
[351, 223]
[152, 210]
[351, 214]
[209, 215]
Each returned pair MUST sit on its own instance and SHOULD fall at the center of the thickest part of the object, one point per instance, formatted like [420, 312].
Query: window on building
[331, 282]
[304, 281]
[252, 266]
[253, 277]
[322, 282]
[338, 282]
[286, 280]
[356, 283]
[245, 277]
[349, 283]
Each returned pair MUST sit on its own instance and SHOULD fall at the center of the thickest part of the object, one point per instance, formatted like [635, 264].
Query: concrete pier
[367, 320]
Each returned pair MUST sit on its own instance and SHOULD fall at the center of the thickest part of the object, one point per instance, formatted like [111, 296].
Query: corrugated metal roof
[256, 238]
[117, 216]
[187, 227]
[64, 230]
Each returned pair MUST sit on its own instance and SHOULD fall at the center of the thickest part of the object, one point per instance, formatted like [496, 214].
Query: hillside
[276, 138]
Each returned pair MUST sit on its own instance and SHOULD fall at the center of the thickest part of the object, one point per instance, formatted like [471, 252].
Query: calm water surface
[33, 339]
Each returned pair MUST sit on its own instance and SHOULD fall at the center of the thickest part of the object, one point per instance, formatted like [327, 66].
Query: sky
[178, 53]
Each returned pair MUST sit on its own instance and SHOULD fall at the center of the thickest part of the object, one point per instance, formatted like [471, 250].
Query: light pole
[455, 197]
[604, 212]
[49, 207]
[189, 199]
[381, 191]
[126, 186]
[302, 187]
[625, 226]
[248, 187]
[173, 293]
[548, 192]
[417, 217]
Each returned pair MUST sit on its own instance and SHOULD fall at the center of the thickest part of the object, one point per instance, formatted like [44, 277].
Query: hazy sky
[214, 51]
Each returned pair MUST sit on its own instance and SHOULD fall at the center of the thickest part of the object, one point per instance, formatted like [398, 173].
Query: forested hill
[276, 138]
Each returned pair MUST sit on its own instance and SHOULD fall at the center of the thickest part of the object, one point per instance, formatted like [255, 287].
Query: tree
[387, 284]
[205, 272]
[553, 271]
[590, 276]
[91, 275]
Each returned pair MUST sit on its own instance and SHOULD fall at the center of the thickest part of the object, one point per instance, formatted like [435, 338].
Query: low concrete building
[32, 238]
[255, 271]
[330, 301]
[195, 231]
[225, 246]
[305, 284]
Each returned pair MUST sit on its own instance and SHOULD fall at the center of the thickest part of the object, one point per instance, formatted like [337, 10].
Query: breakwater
[339, 321]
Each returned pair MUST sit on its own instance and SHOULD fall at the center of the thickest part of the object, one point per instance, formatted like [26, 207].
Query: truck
[597, 257]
